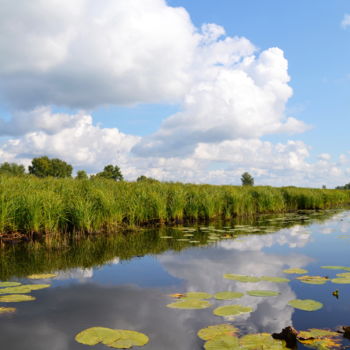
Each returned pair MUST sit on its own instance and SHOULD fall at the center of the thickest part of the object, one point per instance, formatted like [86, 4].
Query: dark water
[124, 282]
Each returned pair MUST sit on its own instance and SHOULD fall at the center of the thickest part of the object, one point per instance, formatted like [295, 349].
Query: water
[124, 282]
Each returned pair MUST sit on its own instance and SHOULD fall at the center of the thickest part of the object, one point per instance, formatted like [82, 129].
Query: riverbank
[31, 205]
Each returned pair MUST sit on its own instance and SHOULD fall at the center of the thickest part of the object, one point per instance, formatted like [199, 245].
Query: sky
[192, 91]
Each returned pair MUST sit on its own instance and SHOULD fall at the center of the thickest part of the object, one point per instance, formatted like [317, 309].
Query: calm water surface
[124, 282]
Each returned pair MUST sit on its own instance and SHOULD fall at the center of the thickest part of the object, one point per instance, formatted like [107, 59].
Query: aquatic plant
[305, 304]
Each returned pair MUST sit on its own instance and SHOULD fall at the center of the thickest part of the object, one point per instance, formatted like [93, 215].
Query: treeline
[345, 187]
[48, 205]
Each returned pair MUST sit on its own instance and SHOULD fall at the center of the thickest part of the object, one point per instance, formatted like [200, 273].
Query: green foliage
[247, 179]
[111, 172]
[11, 169]
[144, 178]
[81, 175]
[44, 166]
[345, 187]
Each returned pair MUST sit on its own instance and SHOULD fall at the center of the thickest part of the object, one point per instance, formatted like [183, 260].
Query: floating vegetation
[305, 304]
[320, 339]
[274, 279]
[336, 268]
[113, 338]
[223, 342]
[188, 235]
[228, 295]
[344, 274]
[23, 289]
[313, 279]
[182, 239]
[262, 293]
[295, 271]
[9, 284]
[42, 276]
[190, 304]
[212, 332]
[7, 310]
[166, 237]
[15, 298]
[194, 242]
[232, 310]
[241, 278]
[261, 341]
[345, 280]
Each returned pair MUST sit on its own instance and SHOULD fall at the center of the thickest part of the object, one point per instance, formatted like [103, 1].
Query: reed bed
[31, 205]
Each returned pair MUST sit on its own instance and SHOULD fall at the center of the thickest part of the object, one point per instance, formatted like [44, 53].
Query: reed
[31, 205]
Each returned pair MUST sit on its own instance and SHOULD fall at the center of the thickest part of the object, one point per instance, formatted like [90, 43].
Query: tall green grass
[31, 205]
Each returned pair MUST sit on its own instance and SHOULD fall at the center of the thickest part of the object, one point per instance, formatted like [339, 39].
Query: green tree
[81, 175]
[144, 178]
[12, 169]
[44, 166]
[345, 187]
[111, 172]
[247, 179]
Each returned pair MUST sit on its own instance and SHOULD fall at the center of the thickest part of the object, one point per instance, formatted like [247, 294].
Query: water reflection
[124, 282]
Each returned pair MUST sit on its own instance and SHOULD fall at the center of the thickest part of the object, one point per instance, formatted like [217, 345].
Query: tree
[345, 187]
[12, 169]
[81, 175]
[44, 166]
[247, 179]
[144, 178]
[111, 172]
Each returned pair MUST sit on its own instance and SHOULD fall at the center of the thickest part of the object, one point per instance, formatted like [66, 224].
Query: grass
[31, 205]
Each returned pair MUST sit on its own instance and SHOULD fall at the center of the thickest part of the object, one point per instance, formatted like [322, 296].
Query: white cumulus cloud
[346, 21]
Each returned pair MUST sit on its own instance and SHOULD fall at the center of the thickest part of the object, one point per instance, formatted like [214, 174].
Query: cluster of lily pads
[225, 336]
[15, 292]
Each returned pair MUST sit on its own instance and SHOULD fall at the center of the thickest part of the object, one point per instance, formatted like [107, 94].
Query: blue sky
[127, 74]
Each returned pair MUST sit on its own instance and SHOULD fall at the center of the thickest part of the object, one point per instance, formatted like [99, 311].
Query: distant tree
[144, 178]
[247, 179]
[345, 187]
[111, 172]
[324, 187]
[12, 169]
[44, 166]
[81, 175]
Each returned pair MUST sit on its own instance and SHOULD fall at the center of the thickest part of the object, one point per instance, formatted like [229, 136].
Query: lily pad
[336, 268]
[9, 284]
[295, 271]
[165, 237]
[274, 279]
[113, 338]
[7, 310]
[320, 339]
[23, 289]
[232, 310]
[313, 279]
[261, 341]
[42, 276]
[228, 295]
[344, 275]
[345, 280]
[190, 304]
[224, 342]
[262, 293]
[212, 332]
[306, 304]
[241, 278]
[15, 298]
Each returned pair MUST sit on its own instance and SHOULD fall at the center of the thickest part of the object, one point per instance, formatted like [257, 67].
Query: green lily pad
[228, 295]
[344, 275]
[182, 239]
[262, 293]
[295, 271]
[261, 341]
[194, 242]
[15, 298]
[241, 278]
[23, 289]
[232, 310]
[336, 268]
[188, 235]
[165, 237]
[306, 304]
[212, 332]
[341, 280]
[190, 304]
[113, 338]
[313, 279]
[223, 342]
[7, 310]
[274, 279]
[320, 339]
[9, 284]
[42, 276]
